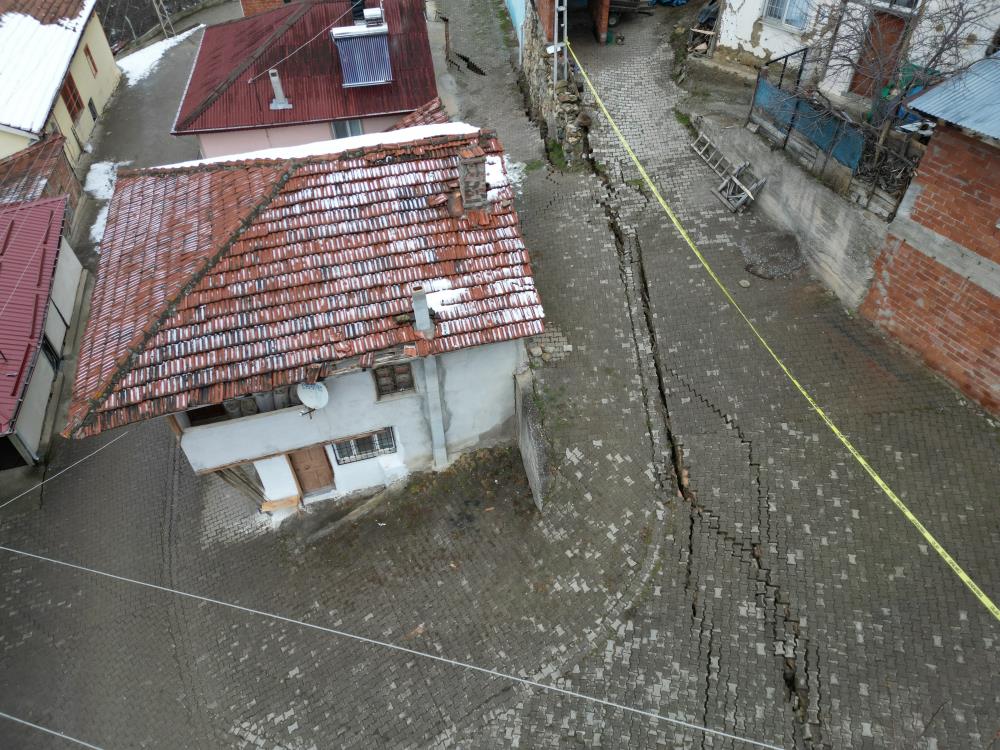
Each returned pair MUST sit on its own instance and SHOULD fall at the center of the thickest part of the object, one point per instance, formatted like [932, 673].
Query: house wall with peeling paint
[477, 393]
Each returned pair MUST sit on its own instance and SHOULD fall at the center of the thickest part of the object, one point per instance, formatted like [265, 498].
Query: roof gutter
[236, 128]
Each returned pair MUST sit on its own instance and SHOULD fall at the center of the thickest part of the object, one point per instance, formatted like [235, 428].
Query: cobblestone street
[784, 600]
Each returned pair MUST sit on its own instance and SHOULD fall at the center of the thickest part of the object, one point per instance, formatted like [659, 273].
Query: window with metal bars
[365, 446]
[71, 98]
[393, 379]
[789, 12]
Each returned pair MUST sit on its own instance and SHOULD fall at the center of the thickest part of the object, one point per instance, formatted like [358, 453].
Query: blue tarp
[819, 127]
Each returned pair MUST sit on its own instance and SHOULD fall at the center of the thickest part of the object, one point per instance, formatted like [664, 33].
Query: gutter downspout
[435, 410]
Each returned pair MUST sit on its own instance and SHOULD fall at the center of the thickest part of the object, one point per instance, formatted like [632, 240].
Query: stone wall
[839, 240]
[530, 437]
[564, 121]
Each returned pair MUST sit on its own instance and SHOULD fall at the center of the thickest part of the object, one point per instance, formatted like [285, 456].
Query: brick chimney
[472, 177]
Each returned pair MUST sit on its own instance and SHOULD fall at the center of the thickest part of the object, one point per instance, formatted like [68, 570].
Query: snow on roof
[338, 146]
[34, 58]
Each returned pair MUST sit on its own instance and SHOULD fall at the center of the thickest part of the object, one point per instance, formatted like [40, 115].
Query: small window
[90, 60]
[347, 128]
[393, 379]
[92, 108]
[365, 446]
[789, 12]
[50, 353]
[71, 98]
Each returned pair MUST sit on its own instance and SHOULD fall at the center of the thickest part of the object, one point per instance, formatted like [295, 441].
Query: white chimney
[279, 101]
[421, 312]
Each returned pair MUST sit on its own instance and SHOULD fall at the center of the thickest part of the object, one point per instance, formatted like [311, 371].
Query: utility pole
[166, 25]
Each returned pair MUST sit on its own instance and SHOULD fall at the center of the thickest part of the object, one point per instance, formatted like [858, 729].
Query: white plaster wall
[242, 141]
[353, 409]
[276, 477]
[743, 28]
[65, 283]
[477, 388]
[31, 416]
[477, 391]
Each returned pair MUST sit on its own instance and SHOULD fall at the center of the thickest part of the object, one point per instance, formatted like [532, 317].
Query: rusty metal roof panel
[29, 249]
[229, 88]
[219, 280]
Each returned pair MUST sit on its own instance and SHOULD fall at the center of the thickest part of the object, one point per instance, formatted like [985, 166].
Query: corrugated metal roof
[219, 280]
[26, 173]
[37, 43]
[219, 96]
[29, 249]
[969, 99]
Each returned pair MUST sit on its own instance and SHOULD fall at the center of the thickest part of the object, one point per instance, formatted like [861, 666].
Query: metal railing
[876, 164]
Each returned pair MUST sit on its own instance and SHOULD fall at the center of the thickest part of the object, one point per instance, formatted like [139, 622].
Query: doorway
[312, 469]
[879, 58]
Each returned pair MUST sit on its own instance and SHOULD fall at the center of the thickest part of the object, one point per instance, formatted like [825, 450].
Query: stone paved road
[788, 574]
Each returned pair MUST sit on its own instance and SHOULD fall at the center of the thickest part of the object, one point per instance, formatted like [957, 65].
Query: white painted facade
[751, 28]
[227, 142]
[475, 390]
[38, 402]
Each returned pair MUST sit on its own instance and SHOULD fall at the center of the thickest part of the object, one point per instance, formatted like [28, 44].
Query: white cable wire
[63, 471]
[402, 649]
[53, 732]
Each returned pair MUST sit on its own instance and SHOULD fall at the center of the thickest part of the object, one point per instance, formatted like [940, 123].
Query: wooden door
[880, 55]
[312, 469]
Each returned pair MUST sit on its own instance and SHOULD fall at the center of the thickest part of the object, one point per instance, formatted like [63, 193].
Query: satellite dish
[312, 395]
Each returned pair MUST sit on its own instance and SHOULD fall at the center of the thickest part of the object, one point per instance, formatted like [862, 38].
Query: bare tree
[883, 49]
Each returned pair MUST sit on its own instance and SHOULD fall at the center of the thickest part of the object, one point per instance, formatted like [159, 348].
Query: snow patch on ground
[139, 65]
[100, 184]
[97, 228]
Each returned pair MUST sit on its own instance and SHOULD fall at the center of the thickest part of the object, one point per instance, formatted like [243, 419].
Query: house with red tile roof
[306, 72]
[41, 283]
[319, 319]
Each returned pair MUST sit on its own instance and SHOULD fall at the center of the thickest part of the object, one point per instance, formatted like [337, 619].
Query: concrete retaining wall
[530, 437]
[839, 241]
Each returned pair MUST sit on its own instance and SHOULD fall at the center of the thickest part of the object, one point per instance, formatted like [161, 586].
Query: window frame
[347, 450]
[395, 376]
[90, 60]
[349, 126]
[781, 19]
[70, 95]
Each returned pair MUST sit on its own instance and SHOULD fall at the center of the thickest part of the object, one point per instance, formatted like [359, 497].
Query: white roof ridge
[337, 146]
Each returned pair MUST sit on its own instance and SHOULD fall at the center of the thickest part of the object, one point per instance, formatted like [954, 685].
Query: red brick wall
[953, 324]
[959, 180]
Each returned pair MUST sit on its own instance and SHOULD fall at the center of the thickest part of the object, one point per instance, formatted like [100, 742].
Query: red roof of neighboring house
[25, 173]
[239, 275]
[219, 96]
[46, 11]
[29, 249]
[432, 113]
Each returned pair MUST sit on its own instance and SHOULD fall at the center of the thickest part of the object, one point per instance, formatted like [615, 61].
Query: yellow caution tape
[934, 543]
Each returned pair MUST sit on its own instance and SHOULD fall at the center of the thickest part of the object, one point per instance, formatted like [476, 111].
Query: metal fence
[875, 164]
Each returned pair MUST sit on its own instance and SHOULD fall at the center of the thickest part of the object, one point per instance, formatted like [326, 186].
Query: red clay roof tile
[223, 279]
